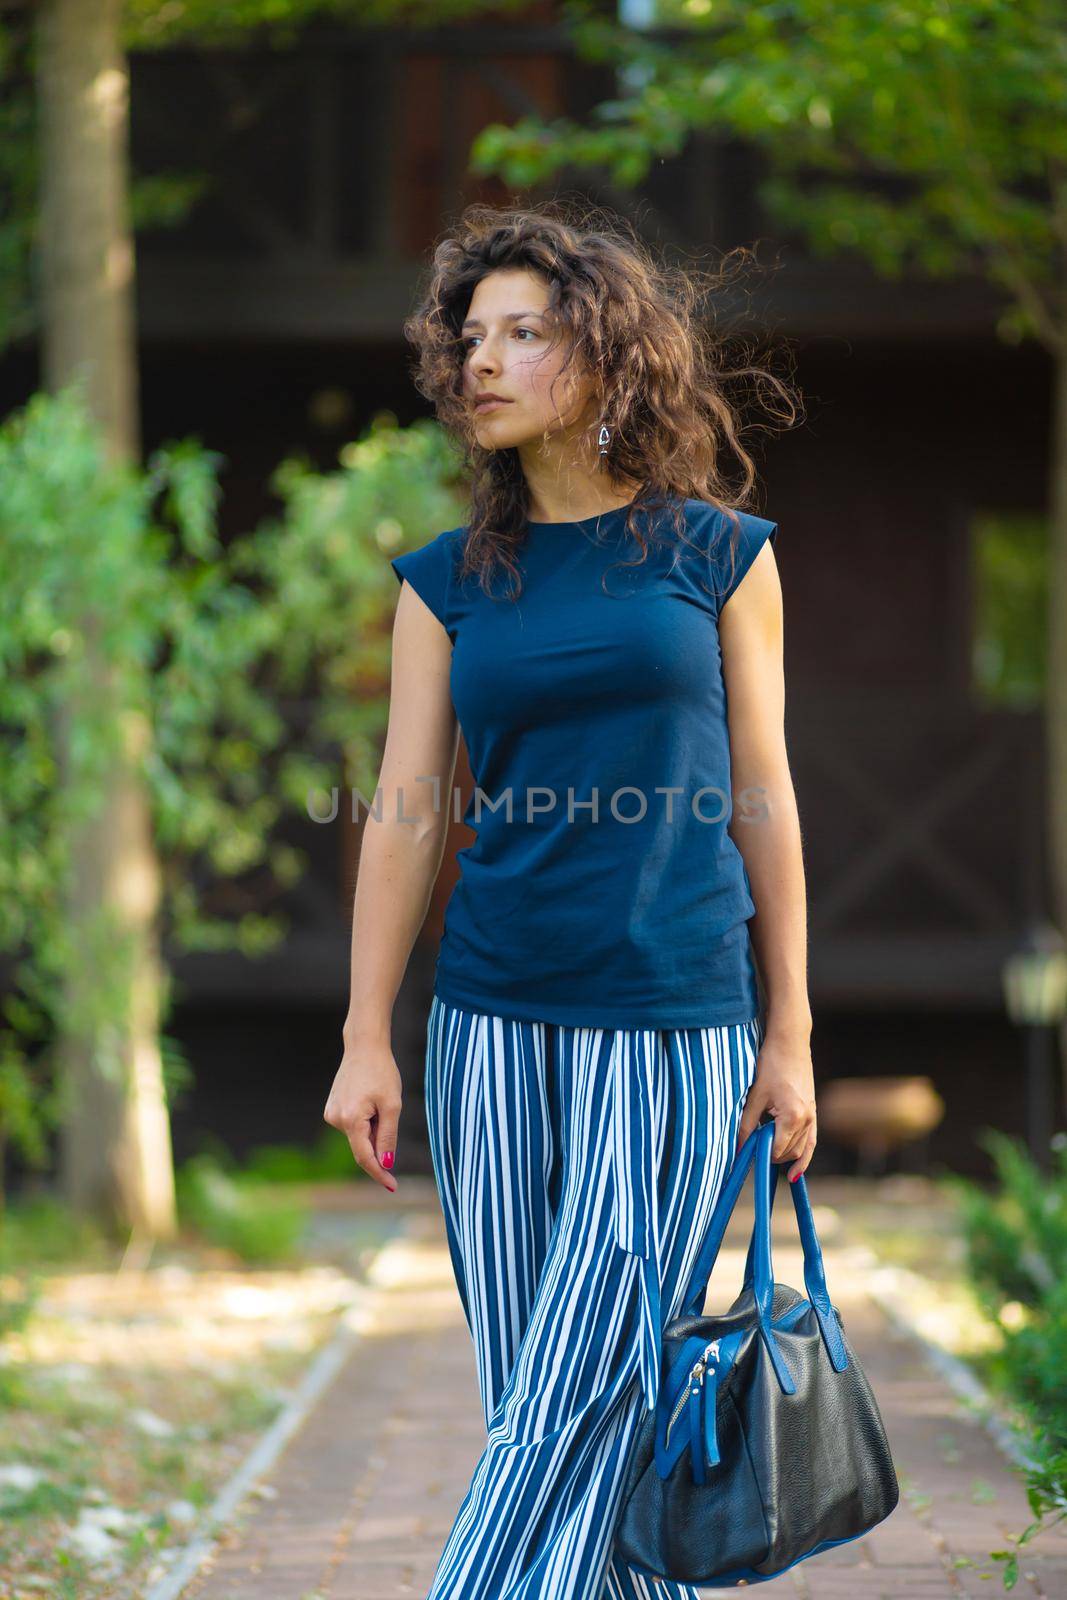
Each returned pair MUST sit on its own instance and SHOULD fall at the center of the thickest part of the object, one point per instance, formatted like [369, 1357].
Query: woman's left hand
[783, 1088]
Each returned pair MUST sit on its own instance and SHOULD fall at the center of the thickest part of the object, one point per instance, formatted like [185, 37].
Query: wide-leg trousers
[578, 1169]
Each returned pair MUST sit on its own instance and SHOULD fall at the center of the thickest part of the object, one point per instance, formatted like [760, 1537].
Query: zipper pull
[710, 1451]
[696, 1444]
[707, 1358]
[702, 1430]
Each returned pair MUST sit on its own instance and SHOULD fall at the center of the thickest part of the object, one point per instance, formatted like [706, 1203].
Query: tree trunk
[1056, 705]
[115, 1144]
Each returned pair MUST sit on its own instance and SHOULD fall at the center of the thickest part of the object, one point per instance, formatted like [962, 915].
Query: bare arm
[751, 631]
[399, 860]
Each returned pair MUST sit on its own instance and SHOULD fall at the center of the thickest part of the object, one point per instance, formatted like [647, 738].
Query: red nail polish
[387, 1159]
[794, 1178]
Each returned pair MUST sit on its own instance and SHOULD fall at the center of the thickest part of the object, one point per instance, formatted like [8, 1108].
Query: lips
[483, 402]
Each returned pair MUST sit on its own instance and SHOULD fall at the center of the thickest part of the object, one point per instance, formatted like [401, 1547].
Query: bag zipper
[708, 1357]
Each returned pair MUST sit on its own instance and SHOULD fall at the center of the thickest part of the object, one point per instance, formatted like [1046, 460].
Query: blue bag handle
[757, 1149]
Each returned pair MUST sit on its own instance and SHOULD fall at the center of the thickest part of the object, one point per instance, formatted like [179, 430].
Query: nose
[483, 357]
[483, 364]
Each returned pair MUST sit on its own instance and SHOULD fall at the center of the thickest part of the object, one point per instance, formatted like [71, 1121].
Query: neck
[582, 501]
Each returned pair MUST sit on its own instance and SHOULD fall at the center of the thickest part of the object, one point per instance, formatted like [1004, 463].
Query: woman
[596, 1050]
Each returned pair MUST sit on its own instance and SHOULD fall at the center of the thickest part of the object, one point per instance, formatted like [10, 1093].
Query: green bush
[242, 1214]
[291, 1163]
[1015, 1239]
[43, 1231]
[1016, 1234]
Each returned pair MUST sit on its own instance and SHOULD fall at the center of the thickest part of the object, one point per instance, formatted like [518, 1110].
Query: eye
[468, 342]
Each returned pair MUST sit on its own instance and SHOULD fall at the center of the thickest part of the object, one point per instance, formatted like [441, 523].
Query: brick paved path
[368, 1488]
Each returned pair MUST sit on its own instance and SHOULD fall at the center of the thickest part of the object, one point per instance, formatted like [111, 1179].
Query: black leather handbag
[766, 1445]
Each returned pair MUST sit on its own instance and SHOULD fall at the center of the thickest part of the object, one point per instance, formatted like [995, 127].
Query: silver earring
[605, 435]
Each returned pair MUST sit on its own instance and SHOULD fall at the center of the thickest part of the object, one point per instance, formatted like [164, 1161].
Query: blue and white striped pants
[578, 1169]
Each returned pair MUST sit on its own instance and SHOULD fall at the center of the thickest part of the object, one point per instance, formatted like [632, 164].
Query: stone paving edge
[267, 1449]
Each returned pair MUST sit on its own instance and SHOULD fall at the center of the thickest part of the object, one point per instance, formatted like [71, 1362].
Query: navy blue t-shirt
[613, 895]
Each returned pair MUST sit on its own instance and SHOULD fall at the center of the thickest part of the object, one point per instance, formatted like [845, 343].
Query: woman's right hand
[365, 1103]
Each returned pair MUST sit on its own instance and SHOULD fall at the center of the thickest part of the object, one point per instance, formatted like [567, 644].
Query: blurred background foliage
[224, 650]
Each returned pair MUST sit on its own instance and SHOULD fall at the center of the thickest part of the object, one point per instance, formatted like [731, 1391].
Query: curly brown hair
[659, 370]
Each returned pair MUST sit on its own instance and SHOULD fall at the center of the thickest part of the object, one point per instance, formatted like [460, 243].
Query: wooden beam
[237, 299]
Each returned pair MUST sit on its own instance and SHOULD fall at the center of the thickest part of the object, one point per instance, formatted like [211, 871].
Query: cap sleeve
[428, 571]
[752, 535]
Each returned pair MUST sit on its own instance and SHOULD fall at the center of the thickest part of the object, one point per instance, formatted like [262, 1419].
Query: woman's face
[512, 352]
